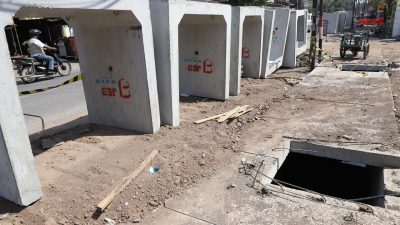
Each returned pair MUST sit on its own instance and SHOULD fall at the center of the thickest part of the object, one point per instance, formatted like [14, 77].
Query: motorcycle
[29, 70]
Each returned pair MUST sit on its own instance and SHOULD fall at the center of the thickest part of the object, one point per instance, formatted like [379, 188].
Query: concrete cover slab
[360, 113]
[278, 41]
[117, 59]
[246, 44]
[192, 48]
[363, 67]
[296, 41]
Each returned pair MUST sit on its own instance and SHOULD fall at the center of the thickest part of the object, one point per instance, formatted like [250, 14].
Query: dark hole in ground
[333, 177]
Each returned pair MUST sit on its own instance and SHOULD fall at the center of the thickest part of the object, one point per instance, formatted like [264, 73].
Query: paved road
[56, 107]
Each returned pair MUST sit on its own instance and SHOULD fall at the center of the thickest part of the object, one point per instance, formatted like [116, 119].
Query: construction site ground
[198, 162]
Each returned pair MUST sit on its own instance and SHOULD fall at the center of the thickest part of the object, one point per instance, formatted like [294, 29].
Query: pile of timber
[233, 114]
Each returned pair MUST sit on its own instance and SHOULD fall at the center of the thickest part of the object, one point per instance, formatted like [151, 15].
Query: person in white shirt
[37, 48]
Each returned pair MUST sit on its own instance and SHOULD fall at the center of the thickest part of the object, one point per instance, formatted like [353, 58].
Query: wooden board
[125, 182]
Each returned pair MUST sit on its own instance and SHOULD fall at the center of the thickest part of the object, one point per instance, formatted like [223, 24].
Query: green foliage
[248, 2]
[337, 5]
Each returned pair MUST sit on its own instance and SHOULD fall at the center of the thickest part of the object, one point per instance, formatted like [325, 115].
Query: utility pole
[313, 42]
[321, 3]
[353, 15]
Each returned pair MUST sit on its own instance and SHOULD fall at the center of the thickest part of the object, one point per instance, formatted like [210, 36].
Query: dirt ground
[89, 161]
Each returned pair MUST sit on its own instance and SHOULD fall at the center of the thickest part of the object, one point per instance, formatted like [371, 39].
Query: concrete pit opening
[251, 46]
[203, 56]
[334, 177]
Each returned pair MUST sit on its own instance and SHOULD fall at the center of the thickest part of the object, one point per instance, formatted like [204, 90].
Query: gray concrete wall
[396, 23]
[166, 17]
[129, 102]
[269, 21]
[301, 32]
[348, 20]
[279, 35]
[236, 42]
[202, 53]
[252, 46]
[289, 59]
[332, 19]
[247, 33]
[341, 21]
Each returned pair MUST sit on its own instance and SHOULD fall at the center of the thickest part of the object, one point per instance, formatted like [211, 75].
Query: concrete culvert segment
[246, 44]
[192, 48]
[296, 41]
[278, 40]
[113, 35]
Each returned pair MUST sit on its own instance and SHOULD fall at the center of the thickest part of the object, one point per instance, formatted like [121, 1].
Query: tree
[337, 5]
[248, 2]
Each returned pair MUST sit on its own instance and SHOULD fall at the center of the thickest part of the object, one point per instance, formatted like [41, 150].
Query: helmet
[34, 32]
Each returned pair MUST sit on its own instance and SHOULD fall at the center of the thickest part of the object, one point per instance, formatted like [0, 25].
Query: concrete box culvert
[246, 44]
[296, 41]
[114, 41]
[192, 49]
[269, 22]
[275, 39]
[332, 20]
[357, 166]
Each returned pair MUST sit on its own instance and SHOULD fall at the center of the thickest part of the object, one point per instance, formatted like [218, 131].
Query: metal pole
[352, 16]
[321, 3]
[313, 42]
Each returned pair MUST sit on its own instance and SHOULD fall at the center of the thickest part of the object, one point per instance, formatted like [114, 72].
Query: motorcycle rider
[37, 48]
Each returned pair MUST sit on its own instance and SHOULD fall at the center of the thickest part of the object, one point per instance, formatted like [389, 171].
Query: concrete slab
[360, 120]
[365, 67]
[274, 56]
[296, 41]
[120, 82]
[192, 48]
[246, 45]
[356, 107]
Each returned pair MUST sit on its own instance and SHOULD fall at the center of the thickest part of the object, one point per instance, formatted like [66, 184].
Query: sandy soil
[90, 161]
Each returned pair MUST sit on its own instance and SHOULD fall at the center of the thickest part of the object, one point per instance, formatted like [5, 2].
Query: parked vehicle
[355, 42]
[29, 70]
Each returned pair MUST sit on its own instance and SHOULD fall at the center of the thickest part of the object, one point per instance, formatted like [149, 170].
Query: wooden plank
[229, 114]
[241, 113]
[295, 78]
[125, 182]
[209, 118]
[243, 108]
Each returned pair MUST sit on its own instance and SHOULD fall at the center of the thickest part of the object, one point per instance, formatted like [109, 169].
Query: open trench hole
[333, 177]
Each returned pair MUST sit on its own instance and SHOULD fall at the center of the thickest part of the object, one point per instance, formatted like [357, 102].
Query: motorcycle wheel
[64, 69]
[28, 71]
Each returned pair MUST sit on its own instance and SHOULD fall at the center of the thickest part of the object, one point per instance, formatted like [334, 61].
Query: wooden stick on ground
[209, 118]
[126, 181]
[231, 113]
[241, 113]
[296, 78]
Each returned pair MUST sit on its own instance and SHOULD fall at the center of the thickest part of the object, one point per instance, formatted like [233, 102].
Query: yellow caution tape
[334, 62]
[70, 81]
